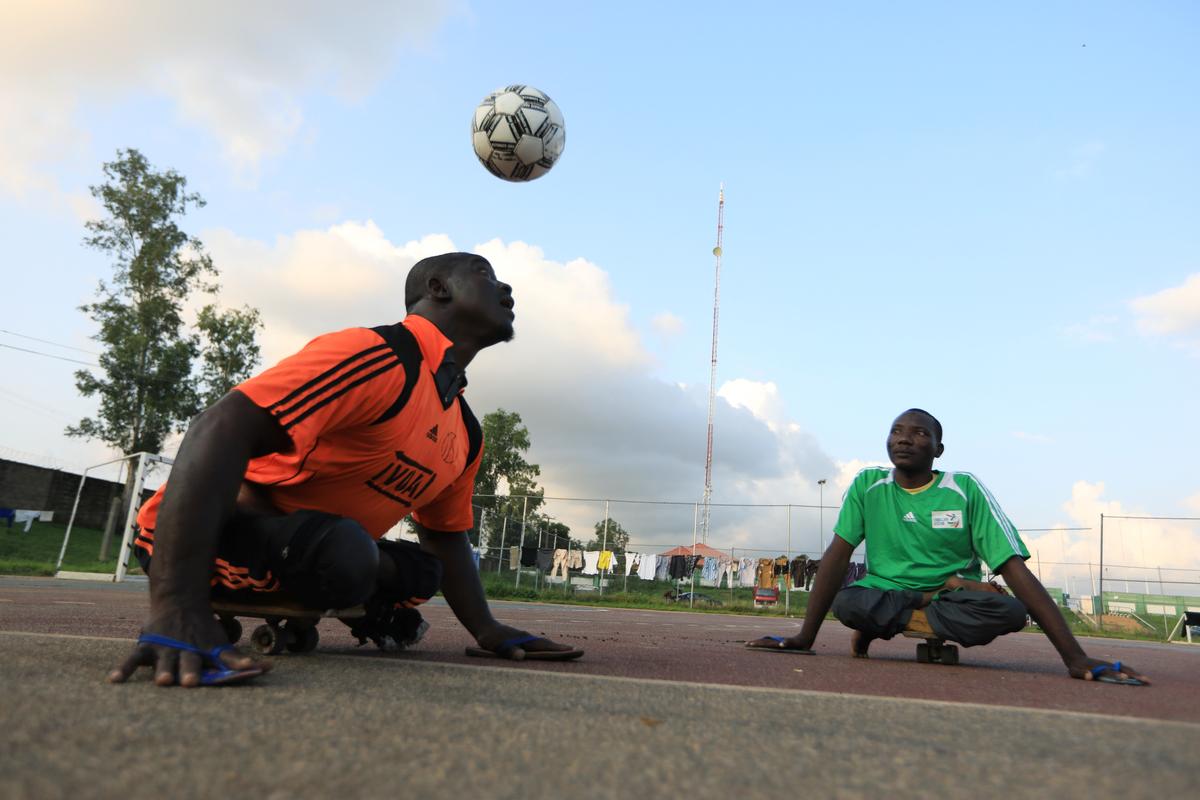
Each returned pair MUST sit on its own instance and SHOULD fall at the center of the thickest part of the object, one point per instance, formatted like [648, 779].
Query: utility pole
[712, 375]
[821, 532]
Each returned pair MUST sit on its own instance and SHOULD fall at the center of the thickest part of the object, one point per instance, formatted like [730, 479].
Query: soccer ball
[518, 133]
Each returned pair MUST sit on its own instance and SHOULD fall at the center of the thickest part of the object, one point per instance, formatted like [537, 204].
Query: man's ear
[941, 448]
[437, 288]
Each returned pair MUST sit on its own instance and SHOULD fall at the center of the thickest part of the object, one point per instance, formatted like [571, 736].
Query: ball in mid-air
[518, 133]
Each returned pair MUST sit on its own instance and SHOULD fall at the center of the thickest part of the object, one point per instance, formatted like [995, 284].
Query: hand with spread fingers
[780, 644]
[503, 641]
[188, 649]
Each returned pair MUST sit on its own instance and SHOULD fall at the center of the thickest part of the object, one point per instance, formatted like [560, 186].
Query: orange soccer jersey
[378, 426]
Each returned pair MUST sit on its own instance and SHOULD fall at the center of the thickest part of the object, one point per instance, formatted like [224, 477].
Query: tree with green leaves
[503, 466]
[230, 349]
[610, 535]
[147, 384]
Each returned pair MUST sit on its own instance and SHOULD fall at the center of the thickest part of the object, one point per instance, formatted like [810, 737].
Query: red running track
[1020, 670]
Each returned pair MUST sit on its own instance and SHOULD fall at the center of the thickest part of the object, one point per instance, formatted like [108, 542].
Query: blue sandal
[218, 674]
[779, 640]
[1105, 673]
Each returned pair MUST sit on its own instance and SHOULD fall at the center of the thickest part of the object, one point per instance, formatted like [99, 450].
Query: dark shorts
[967, 617]
[317, 559]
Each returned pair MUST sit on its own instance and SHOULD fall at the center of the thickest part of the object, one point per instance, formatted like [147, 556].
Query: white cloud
[1193, 502]
[602, 426]
[1134, 549]
[667, 324]
[315, 281]
[760, 398]
[237, 70]
[1172, 311]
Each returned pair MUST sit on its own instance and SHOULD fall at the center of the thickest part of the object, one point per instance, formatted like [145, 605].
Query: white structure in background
[144, 462]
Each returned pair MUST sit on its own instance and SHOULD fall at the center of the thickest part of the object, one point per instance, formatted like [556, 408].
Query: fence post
[503, 532]
[732, 564]
[695, 522]
[603, 544]
[524, 509]
[787, 579]
[1100, 598]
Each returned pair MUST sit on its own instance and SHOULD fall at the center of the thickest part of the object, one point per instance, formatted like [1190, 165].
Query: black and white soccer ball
[518, 133]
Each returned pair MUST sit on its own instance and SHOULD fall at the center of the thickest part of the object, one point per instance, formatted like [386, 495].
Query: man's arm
[200, 498]
[828, 580]
[826, 584]
[464, 591]
[1029, 590]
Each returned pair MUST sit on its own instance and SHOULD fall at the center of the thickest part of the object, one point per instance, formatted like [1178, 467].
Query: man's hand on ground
[1087, 669]
[493, 638]
[172, 665]
[775, 643]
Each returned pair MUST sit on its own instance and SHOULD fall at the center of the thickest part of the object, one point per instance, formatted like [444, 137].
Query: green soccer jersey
[918, 541]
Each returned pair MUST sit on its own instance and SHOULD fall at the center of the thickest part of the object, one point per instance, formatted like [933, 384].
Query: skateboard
[933, 650]
[288, 626]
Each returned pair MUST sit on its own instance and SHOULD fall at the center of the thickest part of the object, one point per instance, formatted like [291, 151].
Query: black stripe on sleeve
[346, 388]
[340, 380]
[324, 375]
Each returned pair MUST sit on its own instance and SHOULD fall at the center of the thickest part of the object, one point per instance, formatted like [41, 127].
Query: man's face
[482, 300]
[913, 443]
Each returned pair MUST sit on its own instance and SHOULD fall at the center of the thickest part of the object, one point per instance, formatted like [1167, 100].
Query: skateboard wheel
[232, 627]
[268, 640]
[303, 640]
[923, 654]
[949, 654]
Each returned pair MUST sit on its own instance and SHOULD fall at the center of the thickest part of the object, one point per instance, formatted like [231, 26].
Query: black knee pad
[417, 576]
[327, 561]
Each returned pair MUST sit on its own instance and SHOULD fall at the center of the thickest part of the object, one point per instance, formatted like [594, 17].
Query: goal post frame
[144, 460]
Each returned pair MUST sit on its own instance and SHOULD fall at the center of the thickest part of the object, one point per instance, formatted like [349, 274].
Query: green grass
[635, 593]
[36, 552]
[1081, 628]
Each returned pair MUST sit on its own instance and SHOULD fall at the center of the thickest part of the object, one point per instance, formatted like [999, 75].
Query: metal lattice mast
[712, 375]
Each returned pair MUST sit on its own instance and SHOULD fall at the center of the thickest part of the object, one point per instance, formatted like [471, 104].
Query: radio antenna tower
[712, 375]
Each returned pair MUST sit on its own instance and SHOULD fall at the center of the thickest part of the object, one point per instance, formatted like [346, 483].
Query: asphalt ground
[663, 702]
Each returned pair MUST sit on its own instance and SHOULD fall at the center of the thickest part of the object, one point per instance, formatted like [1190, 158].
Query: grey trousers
[966, 617]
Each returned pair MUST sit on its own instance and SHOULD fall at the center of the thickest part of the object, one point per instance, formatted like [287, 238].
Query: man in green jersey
[927, 532]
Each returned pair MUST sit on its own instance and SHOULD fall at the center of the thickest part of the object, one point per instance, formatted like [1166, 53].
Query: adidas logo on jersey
[908, 518]
[432, 434]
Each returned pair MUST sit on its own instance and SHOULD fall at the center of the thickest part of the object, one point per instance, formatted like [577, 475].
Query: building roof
[701, 550]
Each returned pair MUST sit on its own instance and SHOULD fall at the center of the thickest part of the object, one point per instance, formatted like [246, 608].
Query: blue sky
[986, 212]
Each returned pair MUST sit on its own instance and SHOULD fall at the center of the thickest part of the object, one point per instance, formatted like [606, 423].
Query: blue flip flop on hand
[779, 648]
[506, 650]
[216, 675]
[1107, 673]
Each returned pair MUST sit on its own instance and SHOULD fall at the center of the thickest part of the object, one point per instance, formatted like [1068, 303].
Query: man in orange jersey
[289, 481]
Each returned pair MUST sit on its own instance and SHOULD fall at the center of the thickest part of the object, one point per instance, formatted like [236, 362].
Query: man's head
[460, 293]
[914, 441]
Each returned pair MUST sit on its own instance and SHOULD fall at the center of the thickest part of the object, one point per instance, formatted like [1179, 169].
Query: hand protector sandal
[1106, 673]
[512, 649]
[218, 674]
[778, 647]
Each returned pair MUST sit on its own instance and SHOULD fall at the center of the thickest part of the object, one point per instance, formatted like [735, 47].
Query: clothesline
[714, 569]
